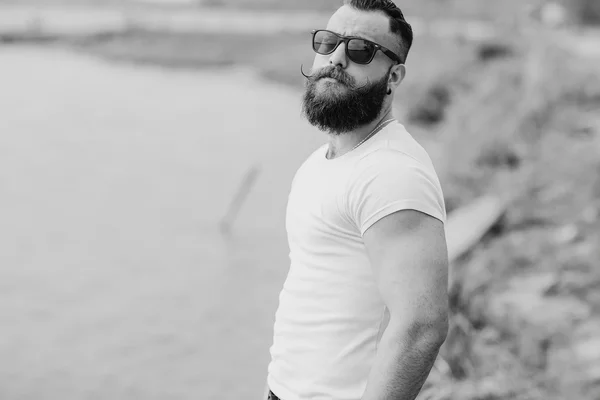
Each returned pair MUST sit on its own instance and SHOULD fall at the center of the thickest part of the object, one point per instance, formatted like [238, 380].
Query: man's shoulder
[396, 158]
[395, 145]
[396, 174]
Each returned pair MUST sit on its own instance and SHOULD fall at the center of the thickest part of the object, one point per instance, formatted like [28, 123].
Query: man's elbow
[428, 332]
[438, 330]
[432, 332]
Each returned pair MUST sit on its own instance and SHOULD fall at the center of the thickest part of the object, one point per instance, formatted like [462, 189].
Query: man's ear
[397, 74]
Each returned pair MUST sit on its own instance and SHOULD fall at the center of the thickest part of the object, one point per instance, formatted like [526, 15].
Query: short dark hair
[398, 24]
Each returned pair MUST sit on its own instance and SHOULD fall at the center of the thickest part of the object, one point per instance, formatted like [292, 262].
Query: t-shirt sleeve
[391, 181]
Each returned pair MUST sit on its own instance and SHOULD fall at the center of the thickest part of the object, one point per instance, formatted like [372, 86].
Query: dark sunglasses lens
[360, 51]
[324, 42]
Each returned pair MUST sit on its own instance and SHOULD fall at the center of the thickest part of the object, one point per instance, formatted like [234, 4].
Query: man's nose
[338, 57]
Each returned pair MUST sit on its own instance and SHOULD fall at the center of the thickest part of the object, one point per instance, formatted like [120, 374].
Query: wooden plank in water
[240, 198]
[467, 225]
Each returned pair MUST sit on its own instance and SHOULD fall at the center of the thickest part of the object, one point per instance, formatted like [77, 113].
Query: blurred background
[146, 153]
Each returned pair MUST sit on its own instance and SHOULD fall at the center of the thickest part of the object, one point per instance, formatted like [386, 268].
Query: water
[115, 282]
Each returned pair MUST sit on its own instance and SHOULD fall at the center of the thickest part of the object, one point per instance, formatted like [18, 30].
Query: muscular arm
[410, 262]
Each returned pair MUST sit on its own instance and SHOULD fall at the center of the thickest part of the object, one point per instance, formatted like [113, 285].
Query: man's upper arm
[408, 253]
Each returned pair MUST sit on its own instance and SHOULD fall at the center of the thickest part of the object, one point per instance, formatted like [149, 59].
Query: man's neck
[340, 144]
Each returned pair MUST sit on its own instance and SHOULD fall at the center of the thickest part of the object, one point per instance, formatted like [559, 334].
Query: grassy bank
[522, 298]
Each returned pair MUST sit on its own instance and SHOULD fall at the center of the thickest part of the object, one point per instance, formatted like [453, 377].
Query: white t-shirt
[328, 322]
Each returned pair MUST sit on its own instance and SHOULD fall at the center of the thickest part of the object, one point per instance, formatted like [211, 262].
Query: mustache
[335, 73]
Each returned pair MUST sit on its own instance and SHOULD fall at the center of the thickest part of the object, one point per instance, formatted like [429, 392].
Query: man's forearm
[403, 363]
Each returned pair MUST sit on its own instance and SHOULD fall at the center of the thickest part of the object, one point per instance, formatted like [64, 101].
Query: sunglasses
[359, 51]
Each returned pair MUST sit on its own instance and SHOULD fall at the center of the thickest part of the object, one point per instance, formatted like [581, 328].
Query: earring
[389, 91]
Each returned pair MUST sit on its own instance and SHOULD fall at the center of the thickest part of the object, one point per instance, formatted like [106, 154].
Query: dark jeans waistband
[272, 396]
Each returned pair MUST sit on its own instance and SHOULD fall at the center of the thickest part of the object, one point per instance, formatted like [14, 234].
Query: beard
[341, 106]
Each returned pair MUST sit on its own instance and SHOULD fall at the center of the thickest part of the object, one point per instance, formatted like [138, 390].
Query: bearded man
[364, 309]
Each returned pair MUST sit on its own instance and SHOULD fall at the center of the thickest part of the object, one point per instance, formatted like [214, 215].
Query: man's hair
[398, 24]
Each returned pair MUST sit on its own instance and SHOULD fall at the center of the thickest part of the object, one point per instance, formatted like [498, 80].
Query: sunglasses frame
[346, 39]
